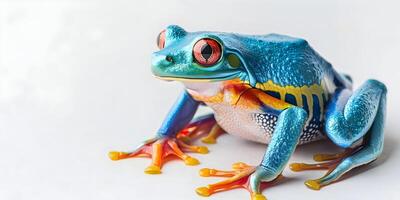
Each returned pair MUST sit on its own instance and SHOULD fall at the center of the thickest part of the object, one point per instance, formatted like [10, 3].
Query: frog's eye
[161, 40]
[207, 52]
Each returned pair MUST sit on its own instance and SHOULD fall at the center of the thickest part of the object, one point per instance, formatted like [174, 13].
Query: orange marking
[157, 152]
[239, 93]
[255, 98]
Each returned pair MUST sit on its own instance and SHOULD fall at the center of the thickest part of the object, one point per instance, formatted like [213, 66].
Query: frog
[272, 89]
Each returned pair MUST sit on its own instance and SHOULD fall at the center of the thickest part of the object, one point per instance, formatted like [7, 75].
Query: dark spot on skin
[290, 99]
[273, 94]
[169, 58]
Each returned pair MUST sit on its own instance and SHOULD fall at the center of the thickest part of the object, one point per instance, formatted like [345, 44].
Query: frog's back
[290, 70]
[278, 38]
[284, 60]
[287, 68]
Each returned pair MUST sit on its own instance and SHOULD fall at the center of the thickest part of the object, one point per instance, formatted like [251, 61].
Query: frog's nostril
[169, 59]
[161, 60]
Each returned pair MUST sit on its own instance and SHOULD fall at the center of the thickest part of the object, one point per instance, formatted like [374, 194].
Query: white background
[75, 82]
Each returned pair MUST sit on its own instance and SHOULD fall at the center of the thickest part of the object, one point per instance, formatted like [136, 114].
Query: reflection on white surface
[75, 82]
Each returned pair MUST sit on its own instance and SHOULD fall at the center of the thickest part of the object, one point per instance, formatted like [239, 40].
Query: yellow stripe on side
[297, 92]
[232, 90]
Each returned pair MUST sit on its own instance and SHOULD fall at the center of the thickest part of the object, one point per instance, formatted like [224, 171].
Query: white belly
[234, 120]
[240, 122]
[248, 123]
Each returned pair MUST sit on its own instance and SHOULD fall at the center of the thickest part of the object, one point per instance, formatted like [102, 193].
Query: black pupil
[206, 51]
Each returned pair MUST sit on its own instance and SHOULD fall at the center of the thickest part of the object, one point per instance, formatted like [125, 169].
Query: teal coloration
[284, 60]
[178, 46]
[344, 116]
[351, 117]
[286, 136]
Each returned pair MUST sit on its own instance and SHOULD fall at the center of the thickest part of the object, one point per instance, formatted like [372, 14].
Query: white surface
[75, 83]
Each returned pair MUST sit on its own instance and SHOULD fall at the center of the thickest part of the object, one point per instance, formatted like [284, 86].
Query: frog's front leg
[166, 143]
[349, 118]
[286, 135]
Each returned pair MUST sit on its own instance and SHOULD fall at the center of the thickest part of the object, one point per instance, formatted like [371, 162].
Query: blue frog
[272, 89]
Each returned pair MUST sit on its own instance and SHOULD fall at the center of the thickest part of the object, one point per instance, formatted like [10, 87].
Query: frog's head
[197, 56]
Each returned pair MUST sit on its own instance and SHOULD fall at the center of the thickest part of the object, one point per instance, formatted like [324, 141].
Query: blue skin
[179, 116]
[352, 116]
[349, 116]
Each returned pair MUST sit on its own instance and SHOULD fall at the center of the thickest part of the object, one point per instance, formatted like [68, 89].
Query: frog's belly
[256, 125]
[243, 123]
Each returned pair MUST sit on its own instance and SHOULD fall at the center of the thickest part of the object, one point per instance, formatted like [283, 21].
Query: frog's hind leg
[351, 117]
[203, 126]
[211, 137]
[238, 177]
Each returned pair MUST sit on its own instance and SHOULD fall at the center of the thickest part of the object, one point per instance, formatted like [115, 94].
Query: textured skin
[363, 114]
[349, 117]
[282, 93]
[284, 60]
[289, 127]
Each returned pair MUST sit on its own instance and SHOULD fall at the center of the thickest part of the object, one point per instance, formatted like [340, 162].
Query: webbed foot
[159, 149]
[328, 162]
[241, 176]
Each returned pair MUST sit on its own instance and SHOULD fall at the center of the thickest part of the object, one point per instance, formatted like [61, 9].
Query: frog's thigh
[372, 96]
[350, 115]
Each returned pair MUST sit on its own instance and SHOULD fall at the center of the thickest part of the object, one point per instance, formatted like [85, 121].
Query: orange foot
[205, 127]
[159, 149]
[242, 176]
[332, 161]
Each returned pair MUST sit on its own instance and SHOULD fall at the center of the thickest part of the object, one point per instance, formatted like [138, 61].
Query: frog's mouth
[199, 79]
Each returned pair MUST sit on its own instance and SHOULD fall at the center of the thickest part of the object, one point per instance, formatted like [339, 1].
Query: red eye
[161, 40]
[207, 52]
